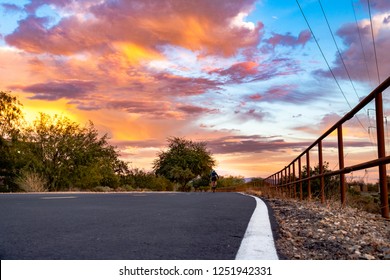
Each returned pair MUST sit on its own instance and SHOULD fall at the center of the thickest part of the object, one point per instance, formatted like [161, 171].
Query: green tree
[71, 156]
[183, 161]
[11, 119]
[11, 116]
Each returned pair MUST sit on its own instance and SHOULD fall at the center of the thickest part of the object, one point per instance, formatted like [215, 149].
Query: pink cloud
[251, 144]
[239, 71]
[69, 36]
[196, 110]
[174, 85]
[249, 71]
[360, 61]
[259, 144]
[200, 25]
[255, 97]
[55, 90]
[35, 4]
[11, 8]
[251, 114]
[379, 5]
[147, 143]
[289, 93]
[289, 40]
[151, 108]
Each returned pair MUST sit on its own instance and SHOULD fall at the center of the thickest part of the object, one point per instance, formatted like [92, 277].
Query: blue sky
[245, 76]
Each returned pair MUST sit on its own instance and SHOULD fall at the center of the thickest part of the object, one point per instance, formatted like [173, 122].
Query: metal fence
[289, 179]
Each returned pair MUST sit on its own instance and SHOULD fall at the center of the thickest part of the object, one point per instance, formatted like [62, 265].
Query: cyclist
[214, 177]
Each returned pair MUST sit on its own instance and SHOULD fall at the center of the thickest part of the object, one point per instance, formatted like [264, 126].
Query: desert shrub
[127, 188]
[230, 181]
[160, 183]
[141, 179]
[30, 181]
[360, 201]
[201, 183]
[102, 189]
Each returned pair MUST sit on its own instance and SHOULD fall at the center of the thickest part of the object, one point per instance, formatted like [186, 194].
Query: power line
[338, 49]
[323, 55]
[361, 42]
[372, 140]
[373, 41]
[326, 61]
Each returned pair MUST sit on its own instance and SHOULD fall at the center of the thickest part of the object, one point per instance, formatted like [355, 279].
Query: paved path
[123, 225]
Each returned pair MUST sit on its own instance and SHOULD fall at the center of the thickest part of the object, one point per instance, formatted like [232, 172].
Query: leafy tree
[70, 155]
[183, 161]
[11, 118]
[53, 153]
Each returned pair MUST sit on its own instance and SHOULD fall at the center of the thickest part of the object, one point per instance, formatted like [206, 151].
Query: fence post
[294, 185]
[300, 178]
[308, 174]
[381, 153]
[289, 180]
[286, 179]
[341, 163]
[321, 166]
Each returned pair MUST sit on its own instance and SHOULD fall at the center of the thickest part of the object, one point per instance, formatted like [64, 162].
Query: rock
[368, 257]
[357, 252]
[331, 238]
[287, 234]
[309, 230]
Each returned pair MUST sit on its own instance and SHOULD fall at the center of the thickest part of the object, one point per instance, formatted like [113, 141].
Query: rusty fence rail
[289, 178]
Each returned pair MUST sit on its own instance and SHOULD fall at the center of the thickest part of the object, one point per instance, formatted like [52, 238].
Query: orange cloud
[135, 53]
[13, 67]
[202, 25]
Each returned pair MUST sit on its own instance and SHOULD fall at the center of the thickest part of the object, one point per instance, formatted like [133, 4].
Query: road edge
[258, 242]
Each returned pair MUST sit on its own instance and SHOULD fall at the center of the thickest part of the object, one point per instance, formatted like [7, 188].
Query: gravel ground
[311, 231]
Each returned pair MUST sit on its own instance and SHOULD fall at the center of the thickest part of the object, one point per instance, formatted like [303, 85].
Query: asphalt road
[123, 226]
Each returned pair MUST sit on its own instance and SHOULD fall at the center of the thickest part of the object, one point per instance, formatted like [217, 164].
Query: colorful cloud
[233, 73]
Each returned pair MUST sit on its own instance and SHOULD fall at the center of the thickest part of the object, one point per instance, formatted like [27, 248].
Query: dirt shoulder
[310, 230]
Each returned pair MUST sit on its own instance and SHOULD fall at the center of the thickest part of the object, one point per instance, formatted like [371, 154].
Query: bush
[141, 179]
[201, 183]
[230, 181]
[363, 202]
[29, 181]
[102, 189]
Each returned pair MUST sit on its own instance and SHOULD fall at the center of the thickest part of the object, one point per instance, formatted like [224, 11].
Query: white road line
[58, 197]
[258, 241]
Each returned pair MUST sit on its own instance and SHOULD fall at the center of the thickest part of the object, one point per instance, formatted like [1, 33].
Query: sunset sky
[245, 76]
